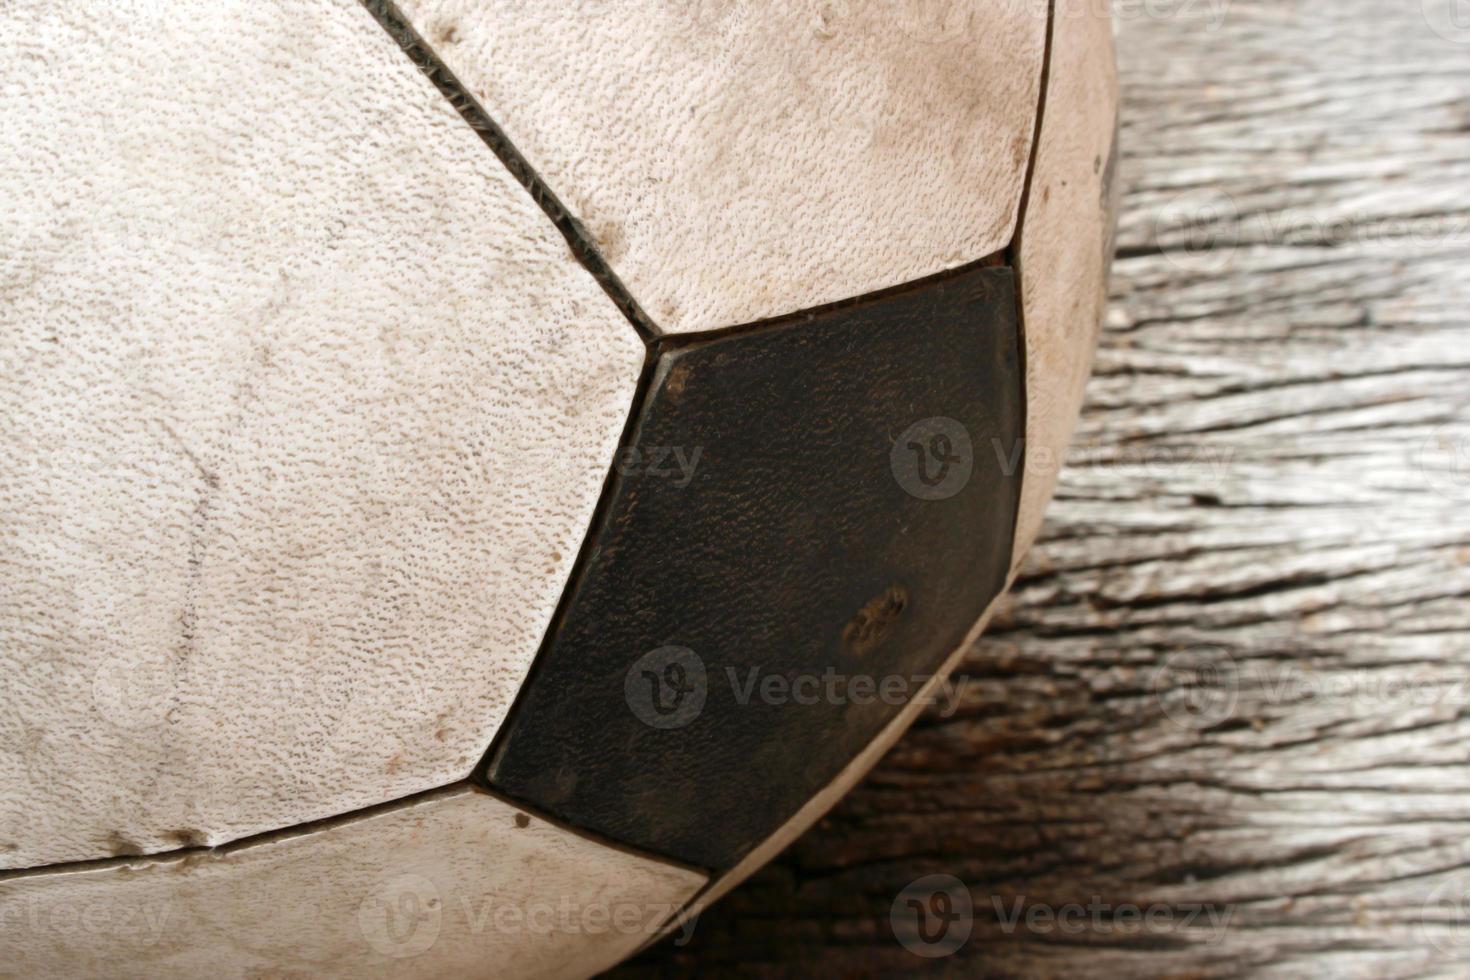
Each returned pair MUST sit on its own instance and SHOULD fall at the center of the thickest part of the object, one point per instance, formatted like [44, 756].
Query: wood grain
[1235, 675]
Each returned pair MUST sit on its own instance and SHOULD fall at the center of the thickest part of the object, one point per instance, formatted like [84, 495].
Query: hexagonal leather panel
[807, 518]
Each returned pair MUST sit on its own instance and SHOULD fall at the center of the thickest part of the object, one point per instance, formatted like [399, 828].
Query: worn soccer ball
[482, 476]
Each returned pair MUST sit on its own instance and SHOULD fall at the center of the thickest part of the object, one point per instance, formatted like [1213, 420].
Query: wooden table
[1232, 689]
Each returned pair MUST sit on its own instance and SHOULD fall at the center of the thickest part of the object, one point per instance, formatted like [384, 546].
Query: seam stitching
[388, 15]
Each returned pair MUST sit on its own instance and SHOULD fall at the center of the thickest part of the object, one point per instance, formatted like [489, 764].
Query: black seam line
[480, 775]
[1013, 259]
[1012, 250]
[590, 836]
[278, 835]
[678, 341]
[388, 15]
[308, 828]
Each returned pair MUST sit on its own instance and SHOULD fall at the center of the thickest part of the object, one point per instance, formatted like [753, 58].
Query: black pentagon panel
[808, 517]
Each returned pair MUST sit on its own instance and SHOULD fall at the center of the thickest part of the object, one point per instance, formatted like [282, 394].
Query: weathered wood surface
[1236, 673]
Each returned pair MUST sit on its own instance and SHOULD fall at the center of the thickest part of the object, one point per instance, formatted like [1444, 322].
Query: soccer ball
[482, 476]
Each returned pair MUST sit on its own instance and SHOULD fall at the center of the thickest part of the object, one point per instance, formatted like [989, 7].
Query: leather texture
[452, 884]
[1076, 212]
[939, 689]
[310, 408]
[845, 516]
[307, 410]
[1065, 246]
[735, 160]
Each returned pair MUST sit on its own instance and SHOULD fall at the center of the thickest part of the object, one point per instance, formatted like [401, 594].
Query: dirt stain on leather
[874, 621]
